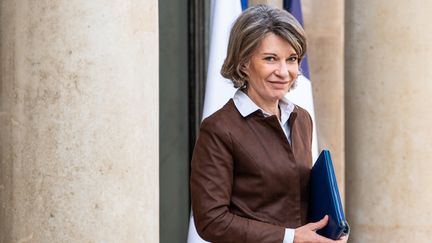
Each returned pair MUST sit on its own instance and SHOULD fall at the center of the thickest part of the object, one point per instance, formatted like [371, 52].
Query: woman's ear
[245, 68]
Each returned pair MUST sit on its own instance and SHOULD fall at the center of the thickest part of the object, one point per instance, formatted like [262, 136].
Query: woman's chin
[279, 94]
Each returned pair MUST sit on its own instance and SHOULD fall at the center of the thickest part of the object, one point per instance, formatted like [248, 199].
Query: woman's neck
[269, 106]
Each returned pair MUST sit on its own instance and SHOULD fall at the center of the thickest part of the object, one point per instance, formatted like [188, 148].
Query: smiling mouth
[278, 82]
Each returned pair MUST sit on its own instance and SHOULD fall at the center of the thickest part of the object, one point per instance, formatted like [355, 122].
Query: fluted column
[388, 120]
[79, 121]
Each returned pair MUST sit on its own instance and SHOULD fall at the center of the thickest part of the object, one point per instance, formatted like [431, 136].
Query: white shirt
[246, 106]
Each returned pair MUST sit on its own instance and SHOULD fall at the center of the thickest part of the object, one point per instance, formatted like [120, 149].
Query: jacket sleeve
[211, 186]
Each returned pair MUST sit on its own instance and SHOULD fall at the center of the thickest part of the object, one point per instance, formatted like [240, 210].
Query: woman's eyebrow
[274, 54]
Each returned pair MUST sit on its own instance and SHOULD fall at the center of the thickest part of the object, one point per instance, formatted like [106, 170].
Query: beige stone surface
[274, 3]
[79, 121]
[388, 120]
[324, 25]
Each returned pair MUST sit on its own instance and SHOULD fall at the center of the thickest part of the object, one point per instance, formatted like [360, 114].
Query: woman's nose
[282, 70]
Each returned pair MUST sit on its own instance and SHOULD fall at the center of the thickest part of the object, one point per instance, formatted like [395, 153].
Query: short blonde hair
[249, 30]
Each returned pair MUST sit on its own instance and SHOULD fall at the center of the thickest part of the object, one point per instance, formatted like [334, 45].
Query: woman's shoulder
[301, 110]
[222, 118]
[302, 113]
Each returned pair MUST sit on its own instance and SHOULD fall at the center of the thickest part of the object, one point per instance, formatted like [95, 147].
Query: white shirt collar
[246, 106]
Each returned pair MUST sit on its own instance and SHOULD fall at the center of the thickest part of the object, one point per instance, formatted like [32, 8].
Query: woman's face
[272, 69]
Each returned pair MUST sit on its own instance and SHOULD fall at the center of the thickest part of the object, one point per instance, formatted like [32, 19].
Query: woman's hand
[307, 233]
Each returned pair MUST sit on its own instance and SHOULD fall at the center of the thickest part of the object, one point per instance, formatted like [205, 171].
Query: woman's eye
[292, 59]
[270, 59]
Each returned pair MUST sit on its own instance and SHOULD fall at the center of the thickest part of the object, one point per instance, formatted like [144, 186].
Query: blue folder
[325, 200]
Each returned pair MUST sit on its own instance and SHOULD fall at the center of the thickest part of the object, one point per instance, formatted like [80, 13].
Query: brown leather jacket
[247, 182]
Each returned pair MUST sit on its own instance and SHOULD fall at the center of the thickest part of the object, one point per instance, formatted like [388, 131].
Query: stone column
[79, 121]
[388, 120]
[324, 25]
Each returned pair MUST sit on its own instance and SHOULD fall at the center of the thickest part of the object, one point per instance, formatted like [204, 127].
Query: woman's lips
[278, 82]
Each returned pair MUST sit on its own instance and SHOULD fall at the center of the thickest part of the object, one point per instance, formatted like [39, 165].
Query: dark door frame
[197, 68]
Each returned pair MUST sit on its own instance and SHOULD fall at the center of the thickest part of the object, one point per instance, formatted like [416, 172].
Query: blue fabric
[294, 7]
[244, 4]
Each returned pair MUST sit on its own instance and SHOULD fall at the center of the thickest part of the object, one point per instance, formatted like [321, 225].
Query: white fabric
[289, 236]
[193, 236]
[218, 90]
[302, 96]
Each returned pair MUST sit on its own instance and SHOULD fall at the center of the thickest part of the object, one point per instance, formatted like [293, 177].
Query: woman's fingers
[319, 225]
[343, 239]
[307, 233]
[322, 239]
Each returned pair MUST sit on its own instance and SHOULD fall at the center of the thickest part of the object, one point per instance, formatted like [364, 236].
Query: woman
[251, 163]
